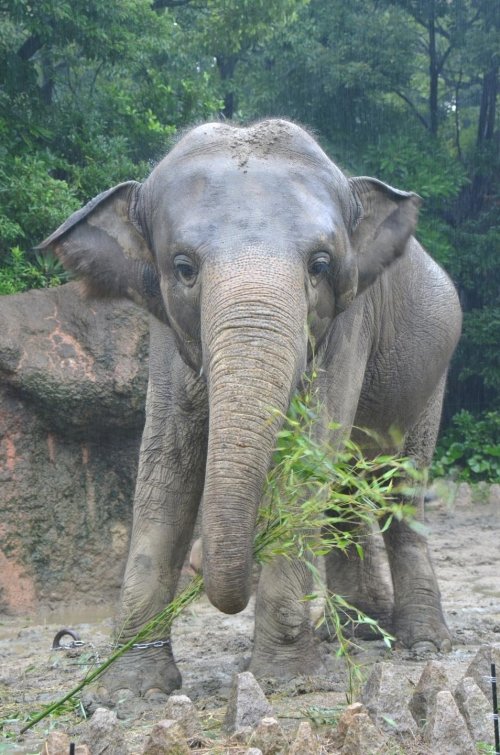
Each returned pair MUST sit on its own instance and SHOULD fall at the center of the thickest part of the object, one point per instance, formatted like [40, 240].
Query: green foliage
[317, 495]
[321, 716]
[470, 448]
[32, 202]
[410, 160]
[479, 347]
[18, 274]
[484, 748]
[233, 27]
[335, 66]
[90, 94]
[475, 265]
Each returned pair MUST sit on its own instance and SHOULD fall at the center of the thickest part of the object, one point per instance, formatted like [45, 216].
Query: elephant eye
[319, 264]
[185, 270]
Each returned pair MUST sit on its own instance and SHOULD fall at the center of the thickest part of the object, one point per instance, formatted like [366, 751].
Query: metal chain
[78, 643]
[147, 645]
[72, 645]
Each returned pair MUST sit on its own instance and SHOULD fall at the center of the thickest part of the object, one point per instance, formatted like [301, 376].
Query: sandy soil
[210, 647]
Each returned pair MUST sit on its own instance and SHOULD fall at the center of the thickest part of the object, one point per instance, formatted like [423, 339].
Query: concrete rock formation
[73, 378]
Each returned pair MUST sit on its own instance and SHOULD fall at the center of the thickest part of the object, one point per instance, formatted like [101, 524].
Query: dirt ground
[464, 538]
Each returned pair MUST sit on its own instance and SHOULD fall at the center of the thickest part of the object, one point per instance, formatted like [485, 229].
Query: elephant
[256, 256]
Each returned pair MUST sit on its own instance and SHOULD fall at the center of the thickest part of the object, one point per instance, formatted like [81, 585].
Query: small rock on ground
[463, 496]
[476, 710]
[433, 679]
[104, 734]
[480, 667]
[58, 743]
[347, 716]
[364, 738]
[446, 732]
[494, 494]
[305, 742]
[386, 696]
[180, 708]
[268, 736]
[166, 737]
[247, 704]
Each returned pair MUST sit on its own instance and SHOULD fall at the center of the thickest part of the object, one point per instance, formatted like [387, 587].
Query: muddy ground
[464, 538]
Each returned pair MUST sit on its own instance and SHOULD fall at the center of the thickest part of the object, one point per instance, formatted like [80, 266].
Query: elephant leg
[361, 581]
[168, 492]
[418, 617]
[284, 643]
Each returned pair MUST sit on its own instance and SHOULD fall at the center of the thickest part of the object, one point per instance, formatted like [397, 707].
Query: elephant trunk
[255, 345]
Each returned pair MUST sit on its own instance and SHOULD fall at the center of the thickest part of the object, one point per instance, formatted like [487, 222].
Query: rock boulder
[73, 377]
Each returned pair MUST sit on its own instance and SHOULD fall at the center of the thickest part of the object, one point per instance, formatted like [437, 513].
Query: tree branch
[413, 108]
[444, 32]
[440, 64]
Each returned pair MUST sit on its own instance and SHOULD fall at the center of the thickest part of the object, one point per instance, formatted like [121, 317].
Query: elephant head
[246, 242]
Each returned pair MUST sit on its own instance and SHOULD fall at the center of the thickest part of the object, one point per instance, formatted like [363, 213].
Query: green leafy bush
[470, 448]
[32, 202]
[19, 274]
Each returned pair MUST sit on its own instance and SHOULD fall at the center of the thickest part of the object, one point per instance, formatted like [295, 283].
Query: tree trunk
[226, 66]
[473, 197]
[433, 73]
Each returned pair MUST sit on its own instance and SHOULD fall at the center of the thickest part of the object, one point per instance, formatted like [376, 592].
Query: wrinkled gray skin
[247, 245]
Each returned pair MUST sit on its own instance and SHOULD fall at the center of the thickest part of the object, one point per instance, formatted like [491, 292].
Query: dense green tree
[228, 32]
[407, 90]
[90, 92]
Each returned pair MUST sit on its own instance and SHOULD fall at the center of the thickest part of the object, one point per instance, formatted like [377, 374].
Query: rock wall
[73, 379]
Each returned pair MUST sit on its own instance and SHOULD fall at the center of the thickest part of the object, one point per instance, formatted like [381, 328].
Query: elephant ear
[104, 246]
[387, 218]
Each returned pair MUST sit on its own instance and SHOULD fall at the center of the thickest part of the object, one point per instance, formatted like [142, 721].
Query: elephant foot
[288, 660]
[284, 668]
[423, 630]
[134, 681]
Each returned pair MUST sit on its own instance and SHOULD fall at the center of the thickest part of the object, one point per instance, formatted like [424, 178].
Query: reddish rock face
[73, 380]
